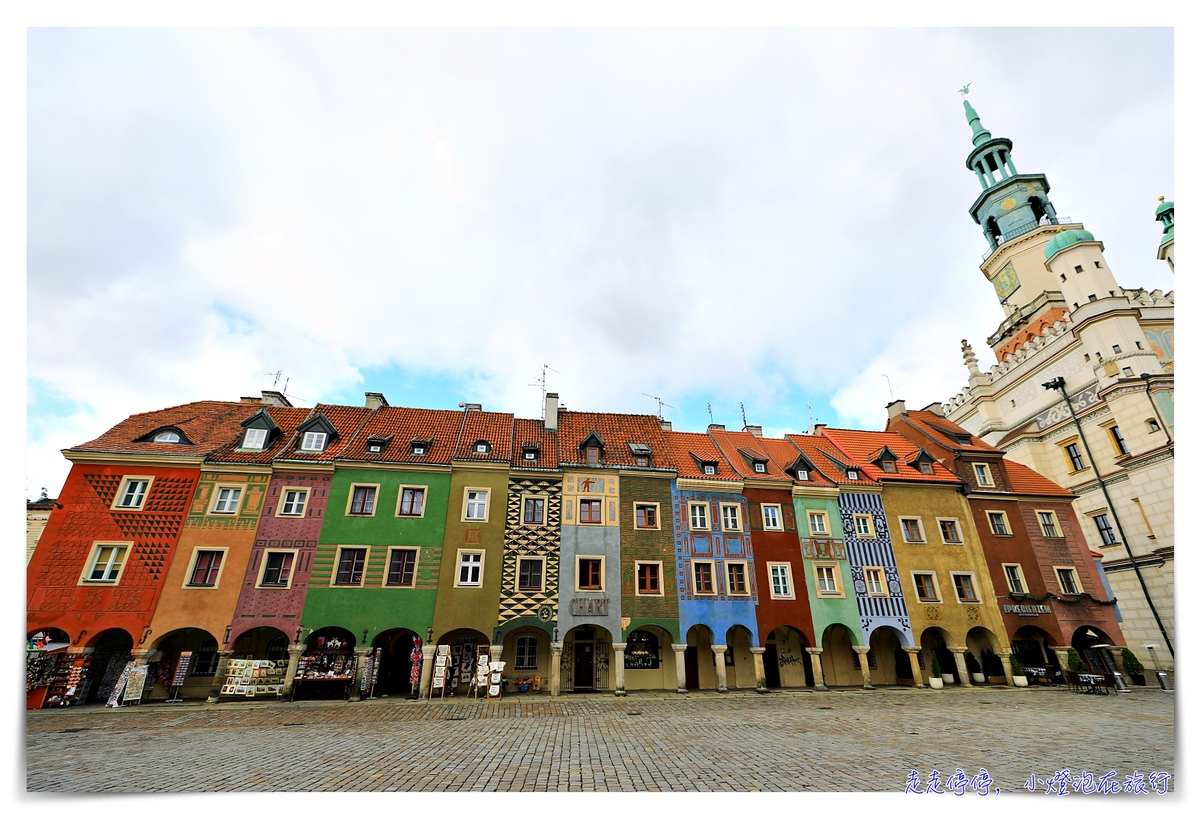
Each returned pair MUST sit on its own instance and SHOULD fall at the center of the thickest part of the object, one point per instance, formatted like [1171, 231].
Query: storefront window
[641, 651]
[527, 650]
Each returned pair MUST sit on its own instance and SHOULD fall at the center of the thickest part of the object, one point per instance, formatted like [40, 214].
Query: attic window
[889, 466]
[592, 454]
[966, 439]
[374, 448]
[852, 474]
[801, 474]
[642, 461]
[760, 467]
[531, 454]
[314, 442]
[925, 467]
[167, 437]
[710, 468]
[482, 447]
[254, 439]
[419, 449]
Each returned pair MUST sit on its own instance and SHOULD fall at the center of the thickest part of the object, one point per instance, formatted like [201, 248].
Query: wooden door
[585, 666]
[771, 665]
[691, 669]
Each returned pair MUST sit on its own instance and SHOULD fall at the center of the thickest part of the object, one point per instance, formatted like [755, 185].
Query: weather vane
[966, 89]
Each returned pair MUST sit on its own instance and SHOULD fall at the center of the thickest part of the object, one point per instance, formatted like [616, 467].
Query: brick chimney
[665, 425]
[551, 411]
[376, 400]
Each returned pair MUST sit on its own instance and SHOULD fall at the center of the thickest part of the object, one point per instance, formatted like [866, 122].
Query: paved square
[846, 740]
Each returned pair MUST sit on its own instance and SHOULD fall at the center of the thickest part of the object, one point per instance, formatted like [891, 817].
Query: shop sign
[583, 606]
[1027, 610]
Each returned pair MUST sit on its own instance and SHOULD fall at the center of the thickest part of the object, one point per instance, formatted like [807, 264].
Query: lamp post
[1061, 386]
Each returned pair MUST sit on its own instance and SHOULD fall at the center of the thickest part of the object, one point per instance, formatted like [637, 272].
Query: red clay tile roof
[944, 432]
[207, 424]
[346, 420]
[1025, 480]
[496, 428]
[688, 447]
[737, 445]
[437, 428]
[617, 431]
[826, 457]
[527, 431]
[859, 445]
[783, 454]
[287, 418]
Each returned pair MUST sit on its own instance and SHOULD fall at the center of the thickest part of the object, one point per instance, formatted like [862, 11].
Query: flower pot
[524, 688]
[948, 678]
[978, 678]
[1138, 678]
[935, 682]
[1020, 681]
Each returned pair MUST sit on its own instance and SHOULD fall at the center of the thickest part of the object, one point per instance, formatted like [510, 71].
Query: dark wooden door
[691, 669]
[585, 666]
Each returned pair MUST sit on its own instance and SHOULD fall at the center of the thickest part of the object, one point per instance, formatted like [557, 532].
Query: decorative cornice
[723, 486]
[430, 468]
[132, 458]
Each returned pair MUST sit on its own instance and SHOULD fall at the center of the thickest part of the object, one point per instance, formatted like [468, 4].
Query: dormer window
[801, 474]
[760, 467]
[314, 442]
[852, 474]
[641, 454]
[374, 448]
[925, 467]
[889, 466]
[592, 454]
[167, 437]
[254, 439]
[481, 447]
[710, 468]
[375, 445]
[529, 452]
[642, 461]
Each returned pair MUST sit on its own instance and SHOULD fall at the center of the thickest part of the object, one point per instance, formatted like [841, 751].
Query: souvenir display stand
[180, 677]
[254, 677]
[371, 673]
[441, 667]
[495, 671]
[69, 684]
[479, 679]
[326, 669]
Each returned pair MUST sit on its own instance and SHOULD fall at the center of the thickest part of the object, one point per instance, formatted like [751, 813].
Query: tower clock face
[1006, 281]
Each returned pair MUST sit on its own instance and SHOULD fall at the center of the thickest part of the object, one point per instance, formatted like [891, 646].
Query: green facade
[649, 545]
[372, 607]
[827, 611]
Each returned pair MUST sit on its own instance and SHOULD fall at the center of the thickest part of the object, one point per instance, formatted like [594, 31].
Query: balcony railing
[1029, 226]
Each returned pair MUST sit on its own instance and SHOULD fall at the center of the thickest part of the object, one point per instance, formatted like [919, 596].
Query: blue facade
[874, 611]
[720, 610]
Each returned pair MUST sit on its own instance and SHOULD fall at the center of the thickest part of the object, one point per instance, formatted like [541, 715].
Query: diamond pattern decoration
[534, 541]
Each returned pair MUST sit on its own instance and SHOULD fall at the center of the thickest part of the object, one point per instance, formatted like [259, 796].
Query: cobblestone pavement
[846, 740]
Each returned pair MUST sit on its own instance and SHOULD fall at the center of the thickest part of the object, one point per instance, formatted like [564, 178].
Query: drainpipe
[1061, 386]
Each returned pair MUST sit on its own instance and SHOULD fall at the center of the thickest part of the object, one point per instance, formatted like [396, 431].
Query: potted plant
[1018, 672]
[935, 681]
[1135, 669]
[974, 669]
[1075, 661]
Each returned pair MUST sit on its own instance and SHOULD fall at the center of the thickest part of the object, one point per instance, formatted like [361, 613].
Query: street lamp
[1061, 385]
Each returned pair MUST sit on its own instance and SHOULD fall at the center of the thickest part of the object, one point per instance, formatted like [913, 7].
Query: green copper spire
[979, 134]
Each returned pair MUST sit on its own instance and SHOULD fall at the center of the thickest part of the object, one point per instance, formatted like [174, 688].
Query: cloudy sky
[774, 218]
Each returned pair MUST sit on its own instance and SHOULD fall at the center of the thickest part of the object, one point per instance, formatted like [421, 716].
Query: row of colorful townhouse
[336, 547]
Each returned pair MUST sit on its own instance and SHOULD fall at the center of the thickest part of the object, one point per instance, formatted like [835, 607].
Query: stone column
[214, 692]
[913, 662]
[1007, 665]
[495, 652]
[719, 653]
[360, 668]
[289, 678]
[428, 652]
[680, 668]
[555, 667]
[960, 662]
[862, 651]
[818, 673]
[619, 667]
[760, 672]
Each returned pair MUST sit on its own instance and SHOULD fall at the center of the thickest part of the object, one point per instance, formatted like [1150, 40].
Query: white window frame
[736, 508]
[124, 488]
[706, 524]
[784, 569]
[260, 434]
[745, 576]
[90, 565]
[957, 527]
[337, 560]
[883, 588]
[262, 568]
[458, 566]
[760, 467]
[936, 588]
[970, 575]
[657, 518]
[709, 468]
[920, 530]
[1074, 577]
[1004, 566]
[992, 528]
[387, 565]
[986, 472]
[374, 499]
[283, 493]
[541, 574]
[320, 439]
[767, 524]
[712, 575]
[823, 516]
[400, 501]
[637, 588]
[240, 488]
[603, 575]
[801, 474]
[468, 502]
[870, 521]
[191, 569]
[834, 574]
[167, 433]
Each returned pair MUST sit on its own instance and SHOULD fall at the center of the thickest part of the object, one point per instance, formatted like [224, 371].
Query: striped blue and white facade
[874, 611]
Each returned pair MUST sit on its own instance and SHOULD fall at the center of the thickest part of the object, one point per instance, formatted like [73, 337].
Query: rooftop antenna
[743, 413]
[541, 384]
[889, 383]
[710, 417]
[277, 374]
[811, 420]
[661, 404]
